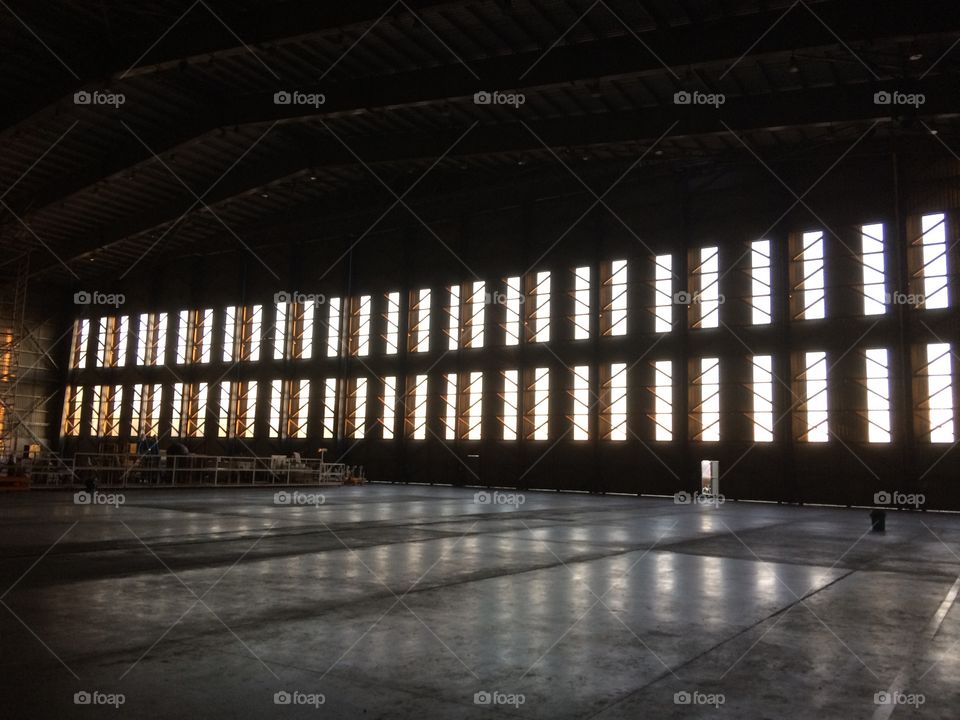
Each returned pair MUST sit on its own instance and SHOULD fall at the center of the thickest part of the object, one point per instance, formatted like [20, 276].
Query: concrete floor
[406, 601]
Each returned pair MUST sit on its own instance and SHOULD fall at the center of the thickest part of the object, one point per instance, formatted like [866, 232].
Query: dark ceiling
[199, 155]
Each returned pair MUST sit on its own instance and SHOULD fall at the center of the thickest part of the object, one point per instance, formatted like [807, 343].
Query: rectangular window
[874, 272]
[389, 407]
[762, 391]
[81, 338]
[453, 317]
[809, 287]
[204, 338]
[616, 402]
[538, 417]
[615, 299]
[392, 323]
[362, 325]
[706, 276]
[815, 398]
[298, 409]
[106, 339]
[473, 413]
[301, 329]
[176, 415]
[934, 270]
[581, 403]
[540, 308]
[96, 396]
[450, 407]
[197, 410]
[275, 418]
[72, 410]
[229, 333]
[511, 401]
[329, 408]
[251, 333]
[183, 337]
[512, 308]
[146, 406]
[663, 400]
[420, 321]
[358, 415]
[475, 316]
[939, 393]
[333, 326]
[878, 395]
[760, 283]
[663, 293]
[120, 341]
[223, 410]
[280, 330]
[418, 408]
[246, 409]
[581, 303]
[707, 409]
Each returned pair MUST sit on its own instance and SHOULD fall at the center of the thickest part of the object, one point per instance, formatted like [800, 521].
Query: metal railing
[127, 470]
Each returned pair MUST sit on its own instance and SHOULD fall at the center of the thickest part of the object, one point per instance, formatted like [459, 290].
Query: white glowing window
[205, 339]
[450, 407]
[874, 272]
[617, 300]
[144, 417]
[184, 354]
[474, 411]
[581, 303]
[389, 407]
[418, 430]
[540, 407]
[709, 409]
[303, 328]
[280, 330]
[663, 293]
[247, 409]
[707, 274]
[760, 282]
[762, 391]
[229, 333]
[511, 401]
[160, 340]
[105, 342]
[299, 408]
[333, 326]
[223, 411]
[252, 333]
[392, 318]
[934, 270]
[329, 408]
[581, 403]
[878, 395]
[476, 314]
[96, 396]
[663, 399]
[176, 415]
[358, 418]
[540, 316]
[812, 294]
[815, 397]
[363, 325]
[197, 422]
[617, 403]
[940, 393]
[275, 418]
[453, 318]
[512, 310]
[420, 326]
[121, 339]
[81, 337]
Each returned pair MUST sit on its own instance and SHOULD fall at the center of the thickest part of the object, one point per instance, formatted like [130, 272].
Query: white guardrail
[126, 470]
